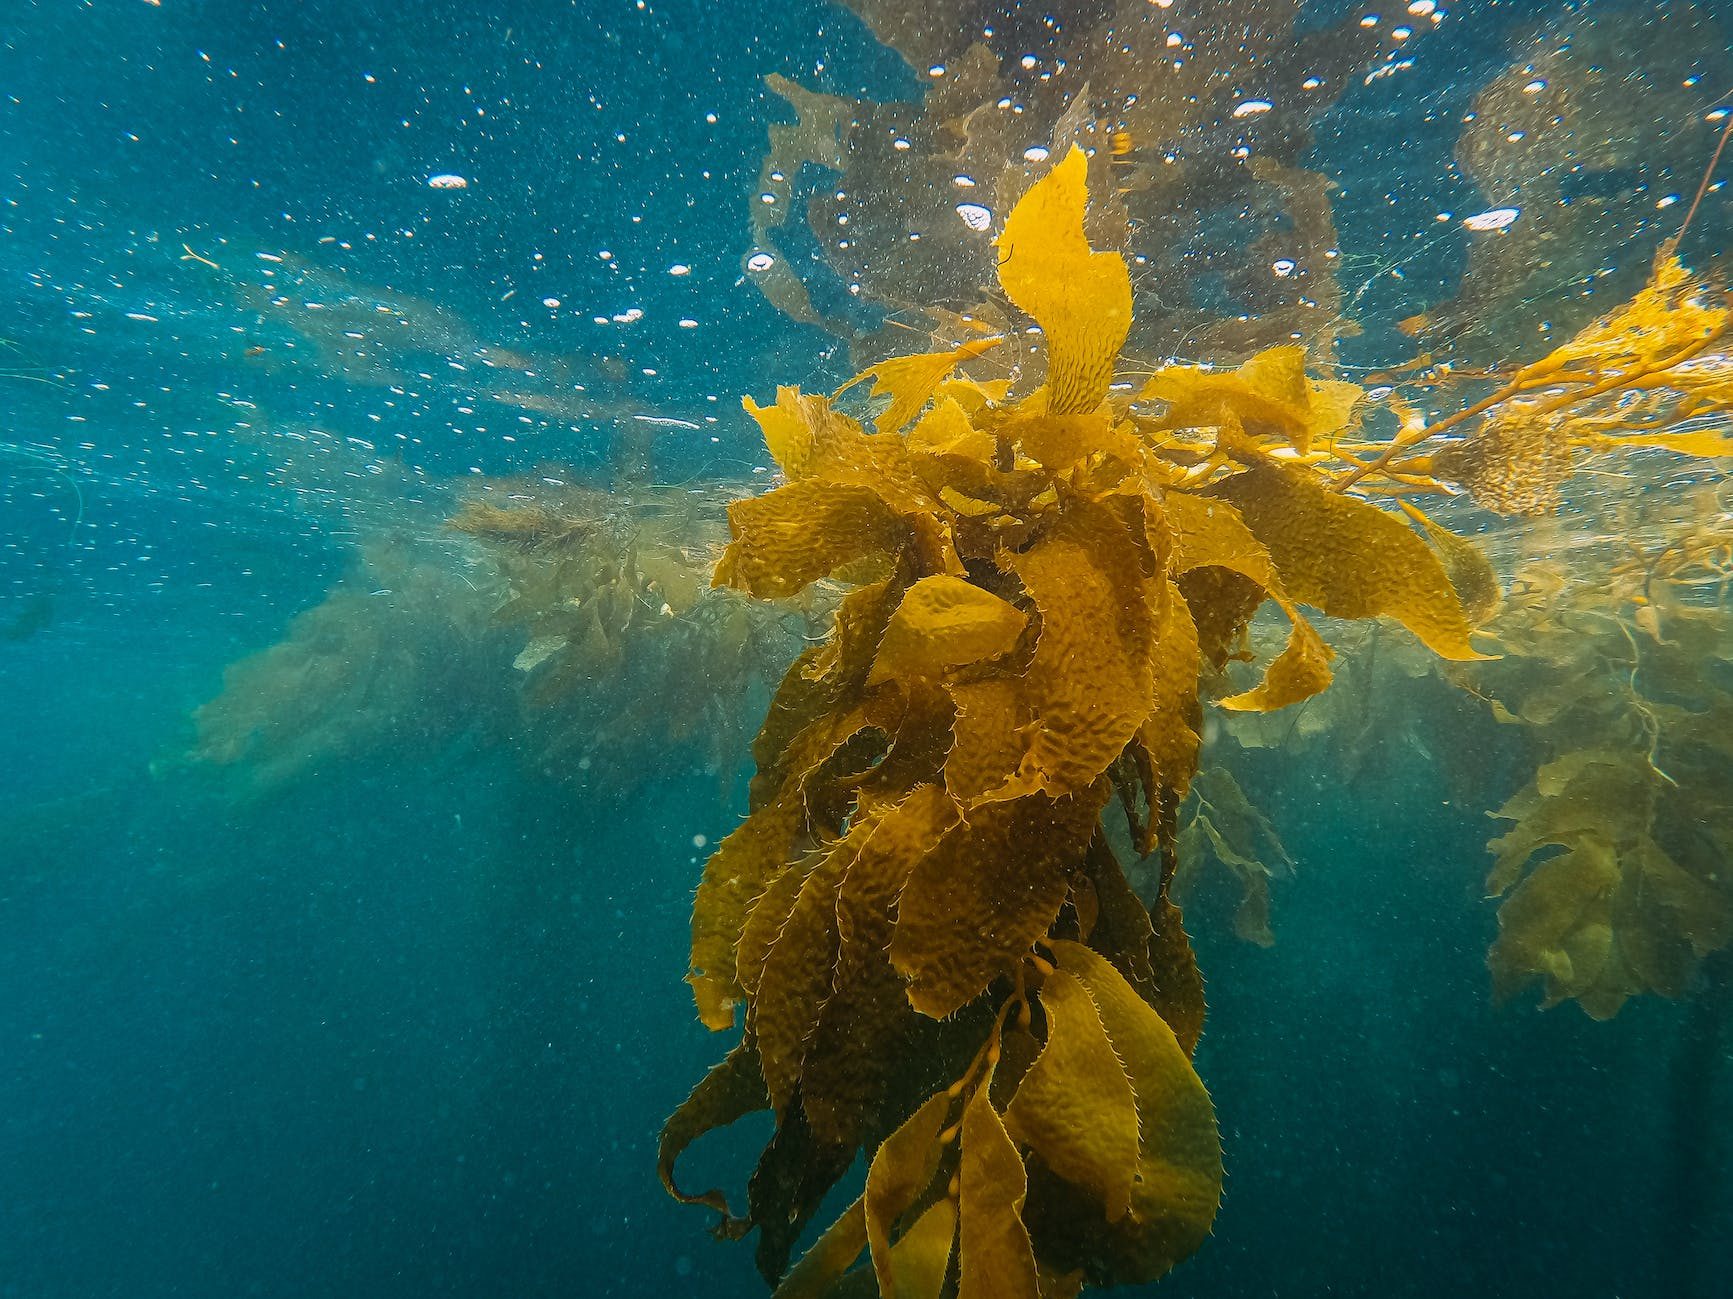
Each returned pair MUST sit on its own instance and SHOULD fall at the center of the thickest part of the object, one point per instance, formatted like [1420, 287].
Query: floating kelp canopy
[1195, 131]
[1587, 140]
[1198, 126]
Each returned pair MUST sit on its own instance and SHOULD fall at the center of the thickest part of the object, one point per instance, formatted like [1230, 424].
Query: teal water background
[408, 1027]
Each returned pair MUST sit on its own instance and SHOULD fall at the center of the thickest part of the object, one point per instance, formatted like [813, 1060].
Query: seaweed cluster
[1613, 872]
[395, 658]
[557, 621]
[619, 623]
[937, 951]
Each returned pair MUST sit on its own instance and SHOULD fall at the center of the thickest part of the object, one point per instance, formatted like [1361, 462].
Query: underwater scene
[937, 649]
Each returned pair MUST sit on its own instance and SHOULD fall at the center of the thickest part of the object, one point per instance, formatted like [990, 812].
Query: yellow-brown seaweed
[937, 955]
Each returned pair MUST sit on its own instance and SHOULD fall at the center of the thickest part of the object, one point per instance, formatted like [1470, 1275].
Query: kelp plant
[941, 961]
[1612, 871]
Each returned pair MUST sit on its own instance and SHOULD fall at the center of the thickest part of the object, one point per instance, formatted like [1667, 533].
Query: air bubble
[1494, 219]
[975, 216]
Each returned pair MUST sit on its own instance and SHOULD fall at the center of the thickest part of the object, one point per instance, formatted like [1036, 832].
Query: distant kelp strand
[1612, 873]
[628, 653]
[578, 626]
[398, 657]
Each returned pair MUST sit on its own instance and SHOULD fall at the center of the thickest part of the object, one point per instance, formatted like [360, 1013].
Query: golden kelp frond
[1080, 298]
[1673, 317]
[986, 893]
[945, 623]
[1270, 396]
[1178, 1181]
[1088, 685]
[1347, 558]
[789, 538]
[1210, 534]
[1299, 672]
[1075, 1107]
[997, 1259]
[787, 427]
[912, 380]
[1470, 572]
[924, 887]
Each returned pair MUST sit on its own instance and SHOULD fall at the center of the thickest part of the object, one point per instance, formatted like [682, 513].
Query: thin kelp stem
[1702, 185]
[56, 465]
[1408, 441]
[1529, 379]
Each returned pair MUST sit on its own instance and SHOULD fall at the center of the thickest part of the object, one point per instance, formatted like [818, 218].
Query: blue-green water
[407, 1024]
